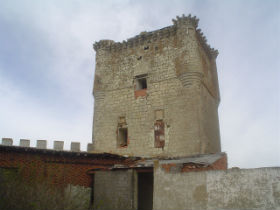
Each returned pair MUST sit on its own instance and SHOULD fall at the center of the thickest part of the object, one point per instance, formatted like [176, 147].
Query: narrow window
[122, 133]
[159, 134]
[122, 137]
[141, 82]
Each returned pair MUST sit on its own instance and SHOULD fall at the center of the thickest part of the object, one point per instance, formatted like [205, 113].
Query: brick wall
[191, 166]
[59, 167]
[220, 164]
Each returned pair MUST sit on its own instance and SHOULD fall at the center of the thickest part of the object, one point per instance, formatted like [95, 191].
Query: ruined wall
[71, 172]
[114, 190]
[56, 166]
[181, 84]
[46, 174]
[230, 189]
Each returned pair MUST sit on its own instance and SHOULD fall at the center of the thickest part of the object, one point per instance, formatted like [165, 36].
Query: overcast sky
[47, 67]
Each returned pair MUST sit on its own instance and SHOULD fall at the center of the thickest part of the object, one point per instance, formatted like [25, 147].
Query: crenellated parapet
[193, 22]
[211, 52]
[42, 144]
[148, 37]
[142, 38]
[186, 20]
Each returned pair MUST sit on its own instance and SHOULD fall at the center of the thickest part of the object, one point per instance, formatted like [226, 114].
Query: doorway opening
[145, 190]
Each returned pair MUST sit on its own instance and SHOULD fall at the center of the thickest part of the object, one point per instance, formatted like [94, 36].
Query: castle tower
[157, 93]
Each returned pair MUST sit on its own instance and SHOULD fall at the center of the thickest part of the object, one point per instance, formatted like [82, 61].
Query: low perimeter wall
[231, 189]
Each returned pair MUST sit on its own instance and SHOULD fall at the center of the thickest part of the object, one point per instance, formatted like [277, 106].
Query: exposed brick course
[220, 164]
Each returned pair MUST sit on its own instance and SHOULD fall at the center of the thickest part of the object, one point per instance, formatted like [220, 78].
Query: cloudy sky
[47, 67]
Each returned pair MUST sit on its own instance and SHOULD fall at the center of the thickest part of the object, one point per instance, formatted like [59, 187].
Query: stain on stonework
[200, 194]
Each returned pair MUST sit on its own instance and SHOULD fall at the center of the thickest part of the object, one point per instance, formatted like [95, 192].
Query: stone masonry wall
[230, 189]
[114, 190]
[209, 122]
[181, 83]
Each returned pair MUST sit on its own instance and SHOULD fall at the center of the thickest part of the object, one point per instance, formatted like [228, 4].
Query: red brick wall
[220, 164]
[56, 168]
[138, 93]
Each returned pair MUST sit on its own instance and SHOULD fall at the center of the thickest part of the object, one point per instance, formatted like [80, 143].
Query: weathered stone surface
[90, 148]
[182, 81]
[75, 146]
[58, 145]
[115, 190]
[7, 141]
[24, 143]
[41, 144]
[230, 189]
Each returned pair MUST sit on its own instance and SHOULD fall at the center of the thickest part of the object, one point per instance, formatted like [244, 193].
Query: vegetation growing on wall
[36, 192]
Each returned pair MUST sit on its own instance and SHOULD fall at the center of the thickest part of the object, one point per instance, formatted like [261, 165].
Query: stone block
[58, 145]
[41, 144]
[7, 141]
[24, 143]
[159, 114]
[90, 147]
[75, 146]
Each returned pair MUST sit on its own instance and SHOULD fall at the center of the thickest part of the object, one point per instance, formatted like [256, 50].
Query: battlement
[148, 37]
[42, 144]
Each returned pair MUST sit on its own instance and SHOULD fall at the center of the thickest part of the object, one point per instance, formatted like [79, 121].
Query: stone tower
[157, 93]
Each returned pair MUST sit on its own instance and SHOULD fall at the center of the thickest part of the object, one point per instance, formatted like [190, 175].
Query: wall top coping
[42, 144]
[34, 150]
[201, 159]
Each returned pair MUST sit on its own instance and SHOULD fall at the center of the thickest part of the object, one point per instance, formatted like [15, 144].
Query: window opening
[122, 137]
[122, 132]
[141, 82]
[159, 134]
